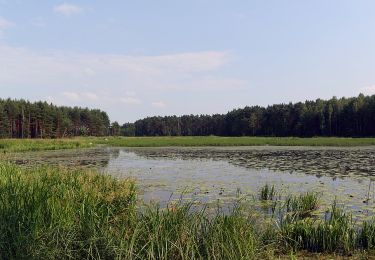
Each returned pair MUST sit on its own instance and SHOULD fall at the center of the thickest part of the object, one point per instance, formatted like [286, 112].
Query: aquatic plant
[302, 205]
[335, 233]
[267, 192]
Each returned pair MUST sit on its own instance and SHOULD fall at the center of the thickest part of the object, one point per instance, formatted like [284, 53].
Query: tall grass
[267, 192]
[56, 213]
[231, 141]
[23, 145]
[20, 145]
[302, 205]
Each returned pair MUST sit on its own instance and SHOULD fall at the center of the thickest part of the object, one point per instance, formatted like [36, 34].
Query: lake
[224, 174]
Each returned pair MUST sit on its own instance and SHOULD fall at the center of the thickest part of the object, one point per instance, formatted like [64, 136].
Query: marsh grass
[302, 205]
[53, 213]
[267, 192]
[21, 145]
[231, 141]
[56, 213]
[335, 233]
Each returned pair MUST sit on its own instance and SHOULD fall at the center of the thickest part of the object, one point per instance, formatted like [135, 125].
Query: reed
[267, 192]
[57, 213]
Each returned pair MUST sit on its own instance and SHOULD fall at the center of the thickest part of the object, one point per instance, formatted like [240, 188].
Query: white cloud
[131, 100]
[5, 24]
[112, 81]
[67, 9]
[159, 104]
[71, 96]
[90, 96]
[370, 90]
[183, 71]
[130, 93]
[89, 72]
[78, 96]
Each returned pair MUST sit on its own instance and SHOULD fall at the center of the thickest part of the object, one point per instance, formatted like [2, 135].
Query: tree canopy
[23, 119]
[335, 117]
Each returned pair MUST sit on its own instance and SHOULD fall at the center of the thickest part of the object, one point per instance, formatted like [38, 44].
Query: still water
[222, 174]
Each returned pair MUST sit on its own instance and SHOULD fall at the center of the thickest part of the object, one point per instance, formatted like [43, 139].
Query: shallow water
[212, 174]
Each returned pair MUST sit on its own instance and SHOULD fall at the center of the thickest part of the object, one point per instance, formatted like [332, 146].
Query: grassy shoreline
[19, 145]
[50, 213]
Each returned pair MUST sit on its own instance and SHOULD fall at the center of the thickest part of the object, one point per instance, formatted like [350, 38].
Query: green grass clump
[302, 205]
[336, 233]
[179, 232]
[51, 213]
[267, 192]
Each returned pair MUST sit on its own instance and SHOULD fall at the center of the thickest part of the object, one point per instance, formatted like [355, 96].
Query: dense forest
[23, 119]
[335, 117]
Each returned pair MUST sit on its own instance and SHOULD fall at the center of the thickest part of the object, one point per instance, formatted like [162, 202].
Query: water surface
[211, 174]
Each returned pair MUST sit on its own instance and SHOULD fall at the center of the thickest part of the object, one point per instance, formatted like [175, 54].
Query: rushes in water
[267, 192]
[302, 205]
[335, 233]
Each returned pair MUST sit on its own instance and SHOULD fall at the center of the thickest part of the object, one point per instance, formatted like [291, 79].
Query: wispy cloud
[79, 96]
[109, 81]
[159, 104]
[68, 9]
[369, 90]
[72, 96]
[182, 71]
[90, 96]
[5, 24]
[130, 100]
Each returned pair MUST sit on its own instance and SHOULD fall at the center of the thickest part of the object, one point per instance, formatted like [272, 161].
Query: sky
[141, 58]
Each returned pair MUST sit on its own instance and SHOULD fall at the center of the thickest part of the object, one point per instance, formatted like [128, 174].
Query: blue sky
[142, 58]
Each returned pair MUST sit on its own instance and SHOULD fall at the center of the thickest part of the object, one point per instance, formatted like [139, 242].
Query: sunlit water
[224, 174]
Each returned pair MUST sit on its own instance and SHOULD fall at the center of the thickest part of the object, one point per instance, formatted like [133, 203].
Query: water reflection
[209, 175]
[335, 162]
[98, 158]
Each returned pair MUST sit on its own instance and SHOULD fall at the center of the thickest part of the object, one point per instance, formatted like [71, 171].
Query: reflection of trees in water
[327, 162]
[87, 158]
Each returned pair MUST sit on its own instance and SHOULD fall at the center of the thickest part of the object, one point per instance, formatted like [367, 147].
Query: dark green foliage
[335, 117]
[267, 192]
[22, 119]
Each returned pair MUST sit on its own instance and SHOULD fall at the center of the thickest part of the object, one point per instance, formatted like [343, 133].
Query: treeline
[335, 117]
[23, 119]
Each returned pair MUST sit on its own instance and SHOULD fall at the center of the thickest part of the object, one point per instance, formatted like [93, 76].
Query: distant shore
[20, 145]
